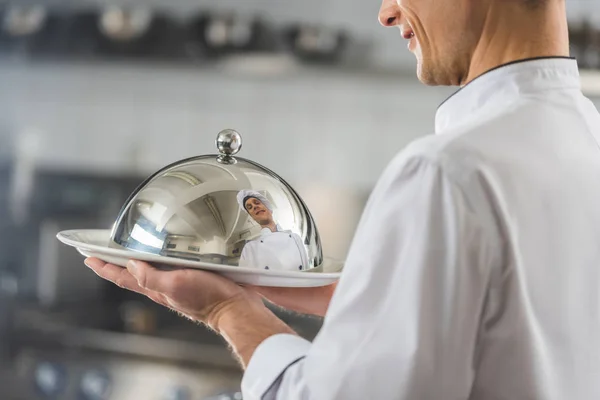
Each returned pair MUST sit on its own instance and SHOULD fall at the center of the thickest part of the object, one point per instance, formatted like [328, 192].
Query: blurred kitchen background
[95, 96]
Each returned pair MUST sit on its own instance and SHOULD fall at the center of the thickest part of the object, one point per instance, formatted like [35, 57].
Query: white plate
[94, 243]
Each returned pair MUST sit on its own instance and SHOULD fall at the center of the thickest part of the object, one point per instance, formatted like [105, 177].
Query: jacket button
[266, 267]
[300, 267]
[261, 241]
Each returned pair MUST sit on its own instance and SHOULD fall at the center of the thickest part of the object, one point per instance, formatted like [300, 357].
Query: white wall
[329, 127]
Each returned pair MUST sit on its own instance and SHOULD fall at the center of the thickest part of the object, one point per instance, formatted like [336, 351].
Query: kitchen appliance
[8, 284]
[139, 33]
[19, 26]
[46, 271]
[82, 36]
[210, 34]
[313, 43]
[217, 212]
[217, 34]
[69, 354]
[47, 373]
[82, 352]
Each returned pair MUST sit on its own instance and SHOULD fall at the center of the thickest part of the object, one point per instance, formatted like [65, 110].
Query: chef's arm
[312, 300]
[246, 326]
[405, 317]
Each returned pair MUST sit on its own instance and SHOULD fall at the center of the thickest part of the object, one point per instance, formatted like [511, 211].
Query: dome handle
[229, 143]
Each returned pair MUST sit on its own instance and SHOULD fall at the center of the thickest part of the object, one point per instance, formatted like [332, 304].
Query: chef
[274, 248]
[475, 270]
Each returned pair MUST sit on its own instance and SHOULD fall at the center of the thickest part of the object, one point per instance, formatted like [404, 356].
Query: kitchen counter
[99, 328]
[86, 343]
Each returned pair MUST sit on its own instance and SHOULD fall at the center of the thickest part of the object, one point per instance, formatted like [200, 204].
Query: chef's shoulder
[460, 155]
[465, 161]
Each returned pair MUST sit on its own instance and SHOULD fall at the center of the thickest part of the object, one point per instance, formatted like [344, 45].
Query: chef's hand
[198, 295]
[314, 301]
[237, 313]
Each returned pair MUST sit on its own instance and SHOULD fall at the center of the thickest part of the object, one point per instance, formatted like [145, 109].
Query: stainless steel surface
[51, 374]
[125, 24]
[60, 278]
[175, 350]
[72, 354]
[6, 310]
[229, 143]
[78, 353]
[23, 21]
[45, 270]
[222, 210]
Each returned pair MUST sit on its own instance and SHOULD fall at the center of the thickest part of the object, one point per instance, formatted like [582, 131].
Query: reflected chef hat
[244, 195]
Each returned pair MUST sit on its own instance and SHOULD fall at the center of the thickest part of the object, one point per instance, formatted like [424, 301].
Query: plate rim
[148, 257]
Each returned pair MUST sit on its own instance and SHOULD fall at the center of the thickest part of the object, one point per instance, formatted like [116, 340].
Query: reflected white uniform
[281, 250]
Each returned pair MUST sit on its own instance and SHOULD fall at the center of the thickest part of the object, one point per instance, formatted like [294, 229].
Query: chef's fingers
[150, 278]
[123, 278]
[117, 275]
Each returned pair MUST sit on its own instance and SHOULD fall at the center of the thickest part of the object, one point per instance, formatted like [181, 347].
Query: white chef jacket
[279, 250]
[475, 269]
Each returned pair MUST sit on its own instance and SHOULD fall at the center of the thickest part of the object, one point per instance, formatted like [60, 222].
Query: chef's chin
[423, 74]
[422, 71]
[428, 74]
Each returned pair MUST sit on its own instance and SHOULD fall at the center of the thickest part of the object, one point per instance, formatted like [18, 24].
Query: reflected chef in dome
[275, 248]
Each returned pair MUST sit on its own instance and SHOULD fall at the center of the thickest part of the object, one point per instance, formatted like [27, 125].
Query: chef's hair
[248, 198]
[263, 201]
[244, 195]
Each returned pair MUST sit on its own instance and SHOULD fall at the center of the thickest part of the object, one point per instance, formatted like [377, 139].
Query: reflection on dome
[192, 210]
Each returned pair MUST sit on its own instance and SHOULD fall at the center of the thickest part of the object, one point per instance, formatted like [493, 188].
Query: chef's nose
[389, 13]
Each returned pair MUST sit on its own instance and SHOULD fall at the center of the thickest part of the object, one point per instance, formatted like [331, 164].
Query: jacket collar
[502, 85]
